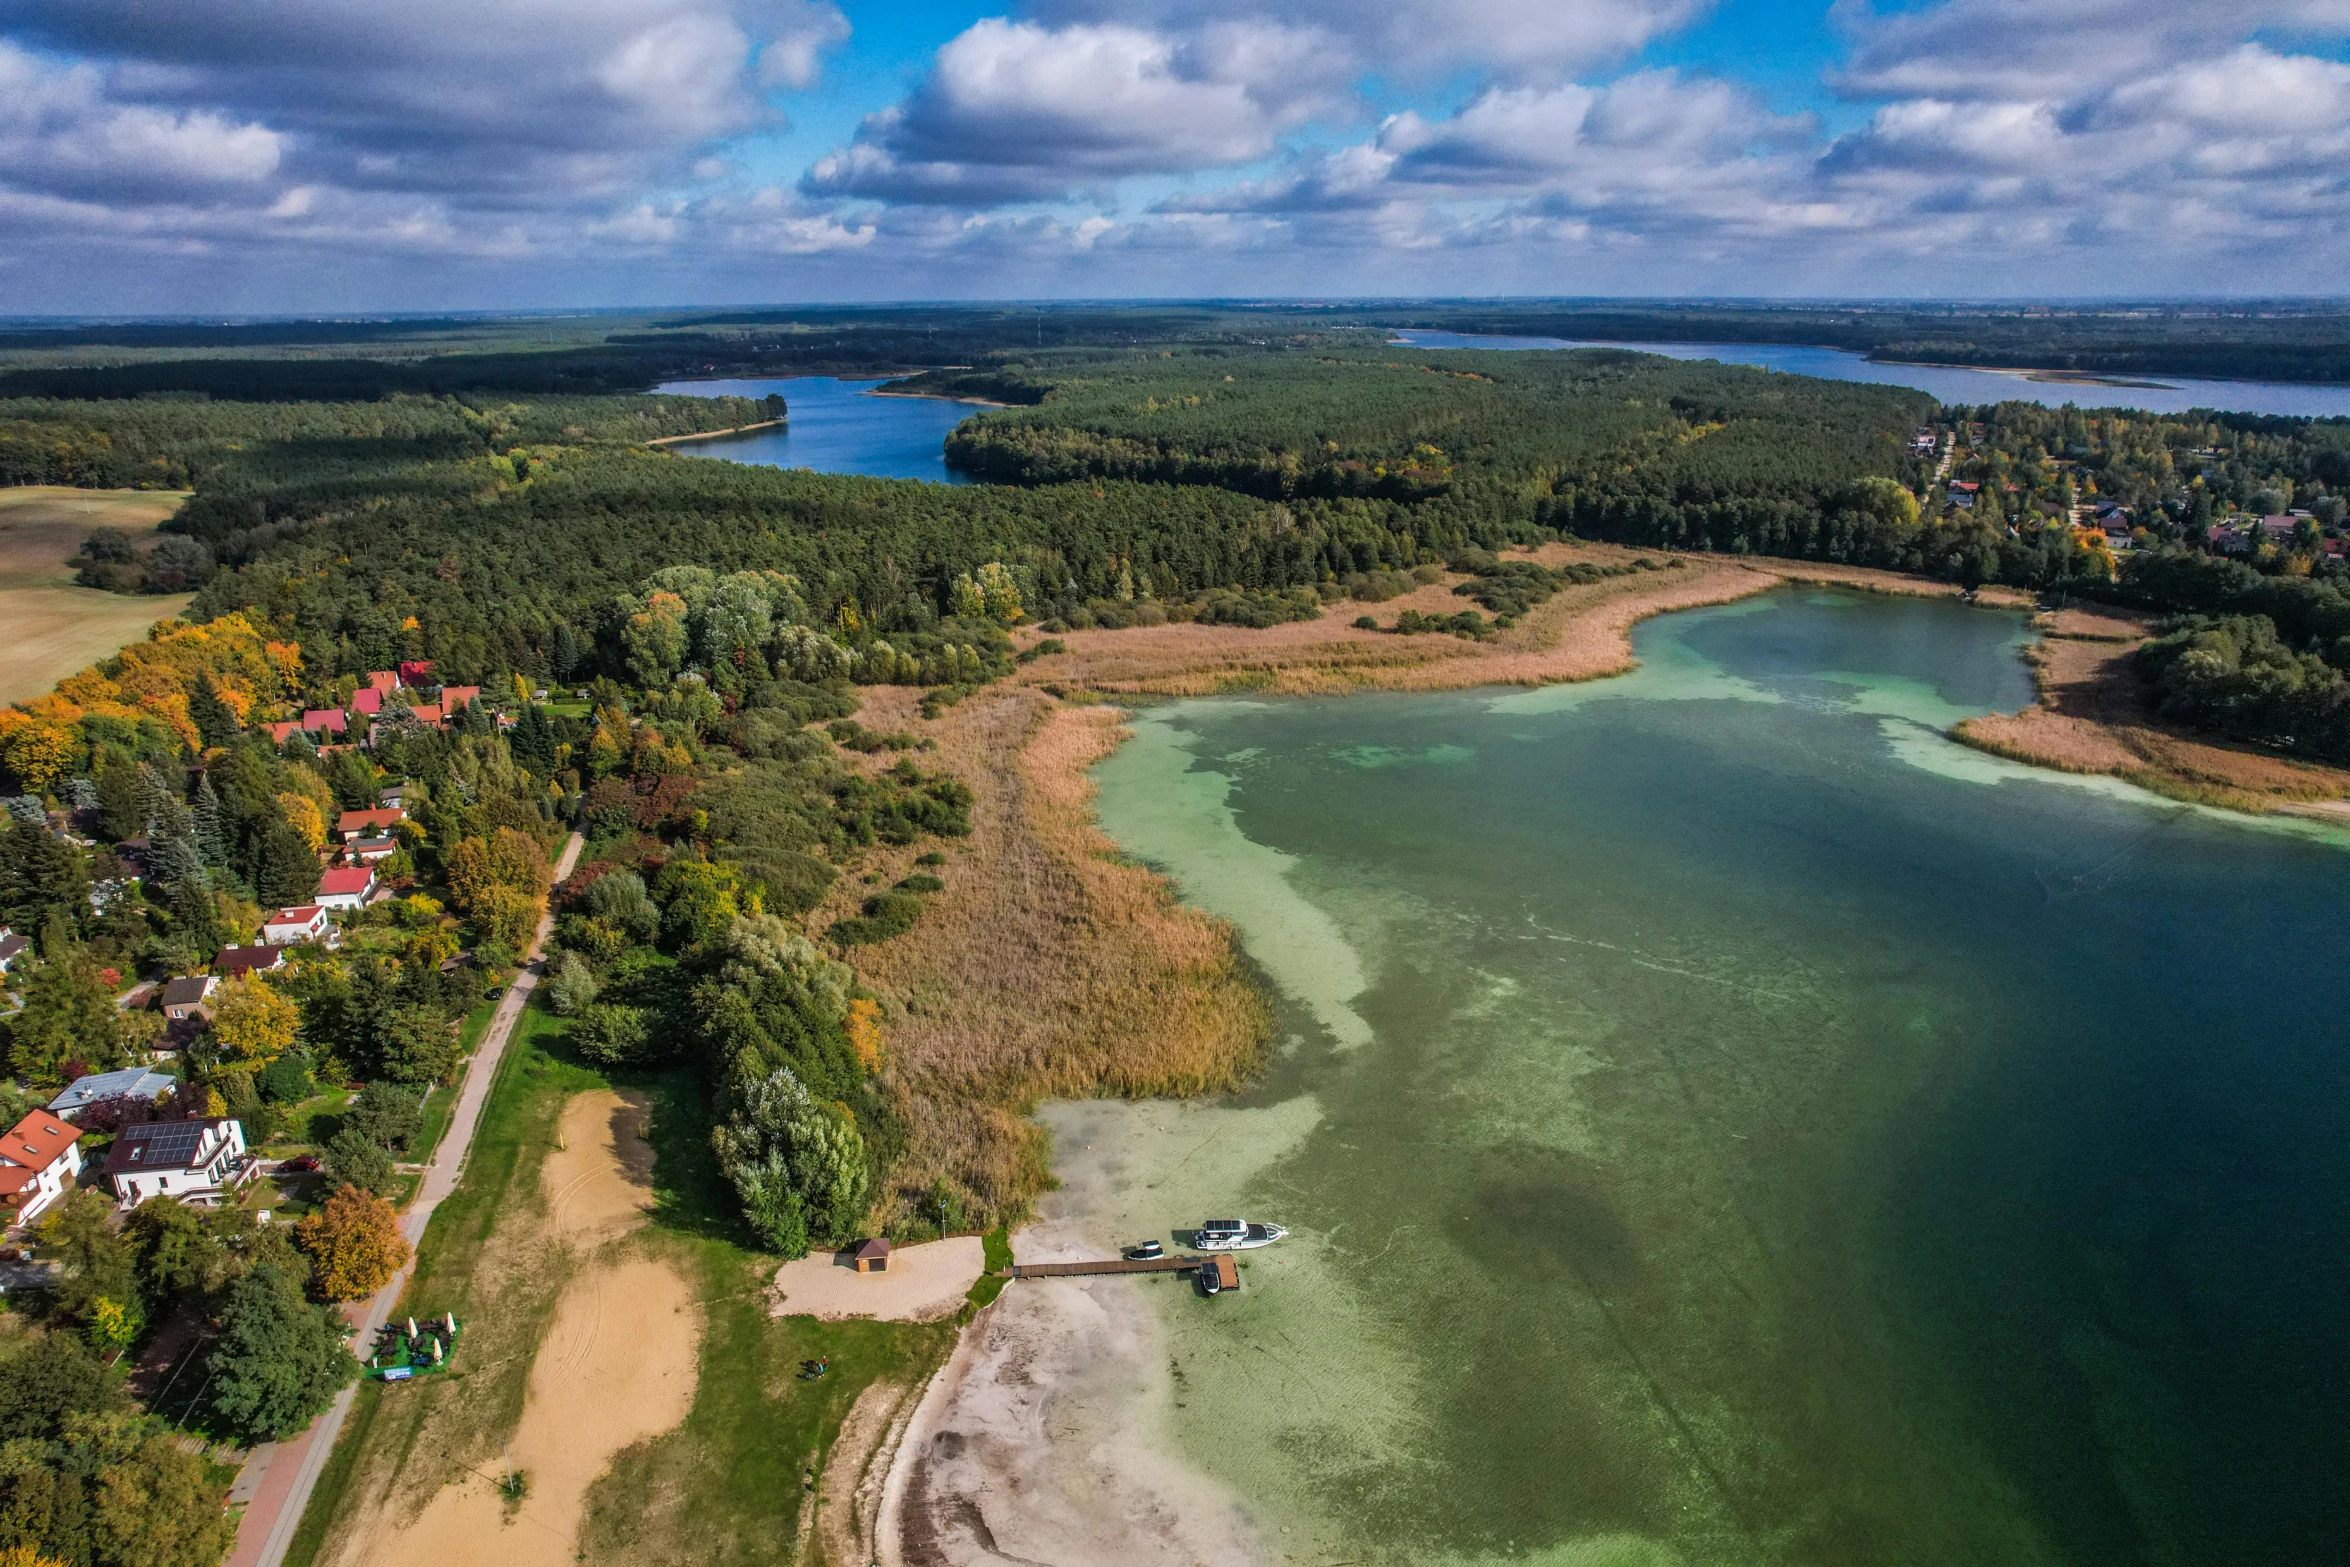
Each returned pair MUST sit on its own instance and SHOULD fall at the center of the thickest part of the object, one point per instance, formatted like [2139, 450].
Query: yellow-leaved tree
[252, 1022]
[354, 1243]
[302, 814]
[863, 1025]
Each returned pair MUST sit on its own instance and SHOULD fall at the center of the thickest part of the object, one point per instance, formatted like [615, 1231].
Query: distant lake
[2177, 394]
[837, 426]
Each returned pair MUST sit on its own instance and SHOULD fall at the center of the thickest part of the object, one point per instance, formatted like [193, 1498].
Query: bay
[837, 426]
[1956, 384]
[1724, 1121]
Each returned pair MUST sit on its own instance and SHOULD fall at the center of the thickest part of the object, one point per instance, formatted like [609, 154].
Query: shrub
[284, 1081]
[355, 1159]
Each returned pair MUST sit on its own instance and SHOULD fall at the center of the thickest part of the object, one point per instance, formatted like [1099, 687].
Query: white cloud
[60, 132]
[1013, 111]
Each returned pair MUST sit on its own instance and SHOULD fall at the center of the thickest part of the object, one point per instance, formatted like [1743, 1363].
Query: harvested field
[55, 628]
[924, 1282]
[1048, 966]
[2093, 717]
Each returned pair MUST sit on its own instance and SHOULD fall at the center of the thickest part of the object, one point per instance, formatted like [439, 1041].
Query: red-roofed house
[326, 720]
[456, 698]
[367, 700]
[367, 824]
[430, 715]
[346, 887]
[37, 1161]
[279, 734]
[381, 681]
[235, 961]
[416, 672]
[292, 927]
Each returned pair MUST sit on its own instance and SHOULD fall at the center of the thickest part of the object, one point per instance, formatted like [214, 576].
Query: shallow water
[1726, 1122]
[1954, 384]
[838, 426]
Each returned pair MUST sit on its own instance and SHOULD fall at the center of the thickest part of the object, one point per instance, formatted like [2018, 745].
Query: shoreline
[715, 435]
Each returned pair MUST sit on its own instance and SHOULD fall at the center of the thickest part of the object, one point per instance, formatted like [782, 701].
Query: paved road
[289, 1470]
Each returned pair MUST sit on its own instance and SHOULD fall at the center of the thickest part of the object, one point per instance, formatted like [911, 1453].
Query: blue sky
[293, 155]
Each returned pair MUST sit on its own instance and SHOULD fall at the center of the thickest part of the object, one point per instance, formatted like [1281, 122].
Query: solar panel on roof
[169, 1142]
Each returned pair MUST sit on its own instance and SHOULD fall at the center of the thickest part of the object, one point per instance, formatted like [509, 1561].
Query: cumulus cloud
[61, 134]
[543, 102]
[1015, 111]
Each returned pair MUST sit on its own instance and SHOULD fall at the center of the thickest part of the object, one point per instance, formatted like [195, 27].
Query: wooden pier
[1227, 1271]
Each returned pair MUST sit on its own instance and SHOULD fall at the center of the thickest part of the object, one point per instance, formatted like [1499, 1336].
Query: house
[455, 699]
[292, 927]
[367, 851]
[12, 947]
[346, 887]
[189, 997]
[383, 682]
[137, 1082]
[234, 962]
[2226, 538]
[2279, 529]
[430, 714]
[325, 720]
[194, 1161]
[367, 700]
[37, 1162]
[369, 823]
[1962, 494]
[416, 672]
[395, 796]
[279, 734]
[870, 1256]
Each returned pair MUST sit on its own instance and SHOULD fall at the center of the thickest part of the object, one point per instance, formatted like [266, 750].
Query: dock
[1070, 1270]
[1226, 1271]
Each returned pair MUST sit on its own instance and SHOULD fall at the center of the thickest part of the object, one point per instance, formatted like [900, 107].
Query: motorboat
[1145, 1251]
[1235, 1235]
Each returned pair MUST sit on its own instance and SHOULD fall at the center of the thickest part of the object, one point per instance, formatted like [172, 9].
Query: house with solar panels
[199, 1161]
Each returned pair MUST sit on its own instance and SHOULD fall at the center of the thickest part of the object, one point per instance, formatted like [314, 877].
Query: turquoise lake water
[1952, 384]
[1725, 1122]
[837, 426]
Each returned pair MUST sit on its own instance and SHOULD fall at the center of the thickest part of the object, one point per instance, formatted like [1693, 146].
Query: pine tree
[156, 798]
[209, 824]
[216, 722]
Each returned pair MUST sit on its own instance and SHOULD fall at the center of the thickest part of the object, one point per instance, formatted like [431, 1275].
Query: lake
[1725, 1122]
[2177, 394]
[838, 426]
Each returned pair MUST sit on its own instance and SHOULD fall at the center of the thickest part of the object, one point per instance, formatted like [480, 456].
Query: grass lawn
[725, 1487]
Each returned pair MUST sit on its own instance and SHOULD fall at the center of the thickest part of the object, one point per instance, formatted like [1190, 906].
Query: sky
[340, 156]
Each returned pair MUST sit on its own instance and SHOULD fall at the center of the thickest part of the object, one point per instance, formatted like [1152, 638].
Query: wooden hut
[870, 1256]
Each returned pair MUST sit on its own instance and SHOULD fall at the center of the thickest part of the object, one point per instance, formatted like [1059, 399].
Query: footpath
[278, 1477]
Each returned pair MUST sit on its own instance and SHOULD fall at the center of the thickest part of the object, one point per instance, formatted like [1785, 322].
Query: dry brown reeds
[1049, 965]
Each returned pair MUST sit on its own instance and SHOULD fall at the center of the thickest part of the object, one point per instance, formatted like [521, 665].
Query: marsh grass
[1050, 966]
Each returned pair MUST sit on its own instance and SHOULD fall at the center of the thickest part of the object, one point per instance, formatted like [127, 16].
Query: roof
[183, 990]
[305, 914]
[280, 733]
[331, 719]
[134, 1082]
[359, 821]
[382, 680]
[367, 699]
[160, 1145]
[35, 1142]
[874, 1246]
[236, 960]
[455, 697]
[429, 713]
[414, 670]
[11, 945]
[343, 881]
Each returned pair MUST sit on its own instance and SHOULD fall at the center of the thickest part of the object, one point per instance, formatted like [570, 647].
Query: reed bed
[1049, 967]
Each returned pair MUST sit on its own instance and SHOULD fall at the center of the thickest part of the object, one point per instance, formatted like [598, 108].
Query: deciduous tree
[279, 1360]
[355, 1244]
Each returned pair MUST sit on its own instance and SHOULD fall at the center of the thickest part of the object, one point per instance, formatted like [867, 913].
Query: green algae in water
[1757, 1140]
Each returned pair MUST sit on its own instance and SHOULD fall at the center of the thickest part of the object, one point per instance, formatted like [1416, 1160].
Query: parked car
[300, 1164]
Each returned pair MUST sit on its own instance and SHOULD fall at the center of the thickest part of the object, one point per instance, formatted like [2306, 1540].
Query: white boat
[1235, 1235]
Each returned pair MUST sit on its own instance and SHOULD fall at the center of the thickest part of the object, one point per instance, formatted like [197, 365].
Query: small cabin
[870, 1256]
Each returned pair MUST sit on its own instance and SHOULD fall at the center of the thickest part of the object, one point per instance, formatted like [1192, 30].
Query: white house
[292, 927]
[194, 1161]
[38, 1161]
[346, 887]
